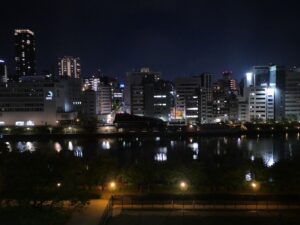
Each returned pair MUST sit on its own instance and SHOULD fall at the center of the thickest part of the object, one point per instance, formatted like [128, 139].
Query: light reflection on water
[268, 149]
[78, 152]
[26, 146]
[105, 145]
[161, 155]
[57, 147]
[70, 146]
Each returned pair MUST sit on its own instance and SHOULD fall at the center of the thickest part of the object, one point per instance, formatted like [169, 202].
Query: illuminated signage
[29, 123]
[49, 95]
[20, 123]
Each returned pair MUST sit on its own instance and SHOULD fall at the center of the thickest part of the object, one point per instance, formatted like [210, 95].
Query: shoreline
[204, 133]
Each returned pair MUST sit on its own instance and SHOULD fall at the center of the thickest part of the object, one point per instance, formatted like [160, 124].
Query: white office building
[261, 103]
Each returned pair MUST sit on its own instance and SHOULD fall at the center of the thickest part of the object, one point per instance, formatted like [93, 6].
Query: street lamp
[254, 185]
[183, 186]
[112, 186]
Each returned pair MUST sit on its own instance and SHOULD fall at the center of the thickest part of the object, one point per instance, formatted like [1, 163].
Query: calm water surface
[269, 148]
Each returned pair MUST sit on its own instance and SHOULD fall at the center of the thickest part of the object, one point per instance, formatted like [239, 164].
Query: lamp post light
[183, 187]
[255, 187]
[112, 186]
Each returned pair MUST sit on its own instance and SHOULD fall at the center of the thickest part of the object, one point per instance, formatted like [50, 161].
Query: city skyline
[173, 37]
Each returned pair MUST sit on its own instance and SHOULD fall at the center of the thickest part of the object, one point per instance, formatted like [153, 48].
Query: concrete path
[90, 215]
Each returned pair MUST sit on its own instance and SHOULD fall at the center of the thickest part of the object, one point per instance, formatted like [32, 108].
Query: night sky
[174, 37]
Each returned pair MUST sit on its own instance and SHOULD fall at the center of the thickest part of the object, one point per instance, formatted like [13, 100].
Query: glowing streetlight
[254, 185]
[58, 185]
[183, 186]
[112, 186]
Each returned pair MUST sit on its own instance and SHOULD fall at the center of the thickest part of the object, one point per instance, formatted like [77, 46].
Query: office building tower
[225, 102]
[24, 53]
[105, 99]
[3, 71]
[159, 99]
[148, 95]
[261, 103]
[228, 82]
[90, 106]
[133, 80]
[69, 66]
[269, 77]
[292, 95]
[188, 90]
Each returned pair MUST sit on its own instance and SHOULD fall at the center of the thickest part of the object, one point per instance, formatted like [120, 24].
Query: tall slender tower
[24, 53]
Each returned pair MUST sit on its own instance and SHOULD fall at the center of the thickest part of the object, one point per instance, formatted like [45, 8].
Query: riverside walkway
[91, 214]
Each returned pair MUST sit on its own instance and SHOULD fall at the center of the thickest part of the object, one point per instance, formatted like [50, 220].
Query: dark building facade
[159, 99]
[225, 102]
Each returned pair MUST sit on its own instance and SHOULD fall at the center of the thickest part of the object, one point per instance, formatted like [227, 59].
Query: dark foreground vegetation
[27, 215]
[36, 186]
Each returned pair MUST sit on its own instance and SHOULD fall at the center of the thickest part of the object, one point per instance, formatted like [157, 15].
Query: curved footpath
[91, 214]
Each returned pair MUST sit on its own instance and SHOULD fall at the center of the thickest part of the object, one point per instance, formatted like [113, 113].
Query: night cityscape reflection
[149, 112]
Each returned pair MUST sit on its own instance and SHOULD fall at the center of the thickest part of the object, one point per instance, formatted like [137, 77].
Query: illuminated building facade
[69, 66]
[3, 71]
[133, 92]
[24, 53]
[193, 93]
[33, 104]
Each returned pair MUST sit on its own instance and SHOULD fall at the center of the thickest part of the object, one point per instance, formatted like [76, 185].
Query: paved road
[90, 215]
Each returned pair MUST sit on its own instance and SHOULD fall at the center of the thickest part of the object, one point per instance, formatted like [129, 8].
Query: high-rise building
[90, 106]
[292, 95]
[3, 71]
[228, 82]
[225, 102]
[24, 53]
[261, 103]
[148, 95]
[277, 82]
[269, 78]
[69, 66]
[190, 92]
[105, 99]
[159, 98]
[96, 102]
[133, 80]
